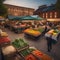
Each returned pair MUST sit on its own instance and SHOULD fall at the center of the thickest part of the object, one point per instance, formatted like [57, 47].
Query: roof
[18, 6]
[45, 9]
[49, 8]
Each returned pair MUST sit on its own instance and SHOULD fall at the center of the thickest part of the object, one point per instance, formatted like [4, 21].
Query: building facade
[48, 12]
[19, 11]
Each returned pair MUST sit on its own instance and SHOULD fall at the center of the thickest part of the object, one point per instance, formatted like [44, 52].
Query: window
[43, 15]
[9, 9]
[46, 15]
[55, 14]
[51, 15]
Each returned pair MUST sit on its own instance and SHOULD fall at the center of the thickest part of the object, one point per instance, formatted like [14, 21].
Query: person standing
[49, 42]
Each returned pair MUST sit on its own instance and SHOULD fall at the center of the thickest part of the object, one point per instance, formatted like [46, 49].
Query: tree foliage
[1, 1]
[58, 5]
[3, 9]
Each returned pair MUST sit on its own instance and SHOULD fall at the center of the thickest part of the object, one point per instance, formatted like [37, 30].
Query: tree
[1, 1]
[58, 5]
[3, 9]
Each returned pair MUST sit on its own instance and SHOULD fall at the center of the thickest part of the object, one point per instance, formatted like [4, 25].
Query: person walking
[49, 42]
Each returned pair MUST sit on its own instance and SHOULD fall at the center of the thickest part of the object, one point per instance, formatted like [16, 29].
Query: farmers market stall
[32, 33]
[21, 48]
[4, 39]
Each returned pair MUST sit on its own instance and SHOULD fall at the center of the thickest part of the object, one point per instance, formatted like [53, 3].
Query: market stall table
[32, 33]
[19, 28]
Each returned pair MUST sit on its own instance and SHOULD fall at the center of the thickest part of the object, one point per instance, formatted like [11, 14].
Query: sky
[30, 3]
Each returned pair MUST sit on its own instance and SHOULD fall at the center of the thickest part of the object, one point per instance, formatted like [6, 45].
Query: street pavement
[40, 44]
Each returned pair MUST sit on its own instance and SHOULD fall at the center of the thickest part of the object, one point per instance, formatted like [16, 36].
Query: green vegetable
[25, 52]
[19, 43]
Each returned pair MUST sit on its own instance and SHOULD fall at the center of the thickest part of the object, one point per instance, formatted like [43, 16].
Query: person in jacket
[49, 42]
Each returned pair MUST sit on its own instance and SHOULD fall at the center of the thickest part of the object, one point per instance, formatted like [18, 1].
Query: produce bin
[4, 41]
[30, 33]
[20, 44]
[41, 55]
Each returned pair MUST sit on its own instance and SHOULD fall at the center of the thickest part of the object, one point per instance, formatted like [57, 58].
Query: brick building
[48, 12]
[19, 11]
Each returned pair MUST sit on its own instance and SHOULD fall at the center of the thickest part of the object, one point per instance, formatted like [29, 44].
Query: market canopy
[31, 17]
[10, 17]
[27, 18]
[36, 17]
[17, 18]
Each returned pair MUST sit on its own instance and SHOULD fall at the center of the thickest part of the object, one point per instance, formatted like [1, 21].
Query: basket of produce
[3, 34]
[26, 51]
[4, 41]
[20, 44]
[27, 54]
[41, 55]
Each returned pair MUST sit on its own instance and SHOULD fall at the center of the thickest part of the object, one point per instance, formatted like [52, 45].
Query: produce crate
[27, 55]
[4, 41]
[41, 55]
[23, 48]
[20, 45]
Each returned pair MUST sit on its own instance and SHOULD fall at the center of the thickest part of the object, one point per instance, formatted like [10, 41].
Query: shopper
[49, 43]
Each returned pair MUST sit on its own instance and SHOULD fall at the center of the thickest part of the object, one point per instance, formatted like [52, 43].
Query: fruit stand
[20, 44]
[21, 48]
[4, 39]
[32, 33]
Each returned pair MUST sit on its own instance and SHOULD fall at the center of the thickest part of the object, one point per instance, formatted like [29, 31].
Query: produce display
[27, 51]
[30, 57]
[3, 34]
[19, 43]
[54, 32]
[41, 30]
[34, 54]
[41, 55]
[8, 50]
[4, 40]
[32, 32]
